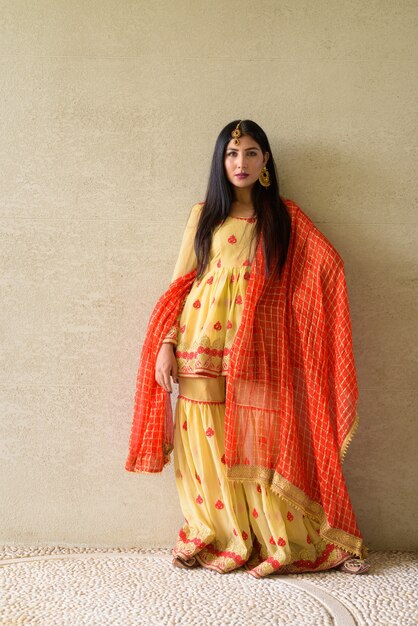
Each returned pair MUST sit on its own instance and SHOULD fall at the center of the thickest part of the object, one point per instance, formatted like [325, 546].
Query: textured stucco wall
[110, 111]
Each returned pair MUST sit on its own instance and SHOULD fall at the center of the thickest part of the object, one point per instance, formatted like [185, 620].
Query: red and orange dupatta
[291, 392]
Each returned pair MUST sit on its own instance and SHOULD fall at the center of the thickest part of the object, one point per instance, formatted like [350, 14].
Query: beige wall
[110, 111]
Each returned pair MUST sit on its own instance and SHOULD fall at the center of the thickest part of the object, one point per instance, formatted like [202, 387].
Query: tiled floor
[76, 586]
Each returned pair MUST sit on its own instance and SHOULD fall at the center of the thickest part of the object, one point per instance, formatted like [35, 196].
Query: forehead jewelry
[236, 133]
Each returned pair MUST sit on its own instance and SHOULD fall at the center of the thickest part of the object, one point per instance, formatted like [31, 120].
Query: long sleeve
[186, 262]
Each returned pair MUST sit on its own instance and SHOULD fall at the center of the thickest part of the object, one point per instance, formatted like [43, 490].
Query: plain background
[110, 112]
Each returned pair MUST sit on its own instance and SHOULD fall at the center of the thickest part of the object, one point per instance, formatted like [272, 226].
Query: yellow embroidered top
[211, 314]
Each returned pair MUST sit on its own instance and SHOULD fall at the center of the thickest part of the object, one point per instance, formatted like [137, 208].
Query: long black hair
[273, 218]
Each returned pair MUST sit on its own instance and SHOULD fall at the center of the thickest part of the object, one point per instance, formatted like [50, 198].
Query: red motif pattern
[197, 542]
[271, 540]
[258, 488]
[218, 263]
[232, 278]
[217, 326]
[255, 513]
[232, 239]
[289, 516]
[196, 304]
[197, 477]
[219, 504]
[247, 275]
[223, 459]
[229, 324]
[210, 432]
[184, 425]
[235, 532]
[183, 328]
[246, 263]
[281, 541]
[308, 539]
[244, 535]
[274, 562]
[209, 280]
[238, 299]
[199, 499]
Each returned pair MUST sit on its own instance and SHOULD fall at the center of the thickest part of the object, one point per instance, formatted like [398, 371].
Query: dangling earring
[264, 177]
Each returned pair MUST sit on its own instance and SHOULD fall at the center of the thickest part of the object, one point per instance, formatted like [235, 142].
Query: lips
[241, 175]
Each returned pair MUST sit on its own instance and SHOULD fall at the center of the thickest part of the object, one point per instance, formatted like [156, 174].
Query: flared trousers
[230, 523]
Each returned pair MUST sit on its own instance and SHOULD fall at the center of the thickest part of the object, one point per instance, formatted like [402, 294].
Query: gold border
[348, 438]
[298, 499]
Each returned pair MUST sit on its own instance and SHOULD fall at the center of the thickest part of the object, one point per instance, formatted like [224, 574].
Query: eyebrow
[252, 148]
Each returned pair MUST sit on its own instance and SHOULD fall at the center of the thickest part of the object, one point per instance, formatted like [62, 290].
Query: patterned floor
[62, 586]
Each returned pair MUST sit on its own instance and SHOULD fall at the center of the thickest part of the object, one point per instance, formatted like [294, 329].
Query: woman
[255, 329]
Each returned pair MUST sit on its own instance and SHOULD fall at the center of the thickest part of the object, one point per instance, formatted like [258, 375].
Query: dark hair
[273, 218]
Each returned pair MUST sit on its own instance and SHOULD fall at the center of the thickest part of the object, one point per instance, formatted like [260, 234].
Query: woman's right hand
[165, 366]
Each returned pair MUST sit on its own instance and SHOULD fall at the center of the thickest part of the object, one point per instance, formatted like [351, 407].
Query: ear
[266, 157]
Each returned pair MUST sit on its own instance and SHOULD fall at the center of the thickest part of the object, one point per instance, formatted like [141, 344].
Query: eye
[231, 153]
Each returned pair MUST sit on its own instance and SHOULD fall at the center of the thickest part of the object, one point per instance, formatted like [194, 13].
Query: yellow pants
[229, 523]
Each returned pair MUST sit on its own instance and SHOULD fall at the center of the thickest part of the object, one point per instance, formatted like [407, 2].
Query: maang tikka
[236, 133]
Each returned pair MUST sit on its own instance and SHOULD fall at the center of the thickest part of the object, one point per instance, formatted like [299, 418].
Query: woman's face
[245, 158]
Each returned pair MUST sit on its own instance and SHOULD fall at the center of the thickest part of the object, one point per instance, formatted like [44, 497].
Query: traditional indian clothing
[266, 407]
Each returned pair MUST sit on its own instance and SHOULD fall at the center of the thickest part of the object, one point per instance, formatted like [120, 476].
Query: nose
[242, 161]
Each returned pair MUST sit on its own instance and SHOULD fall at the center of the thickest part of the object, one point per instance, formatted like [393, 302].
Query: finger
[167, 383]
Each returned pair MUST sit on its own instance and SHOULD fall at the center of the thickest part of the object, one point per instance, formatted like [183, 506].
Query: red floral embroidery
[258, 488]
[246, 263]
[229, 324]
[183, 328]
[217, 326]
[218, 263]
[219, 504]
[199, 499]
[271, 540]
[185, 425]
[281, 541]
[197, 477]
[289, 516]
[255, 513]
[247, 275]
[210, 432]
[244, 535]
[232, 239]
[223, 458]
[273, 561]
[209, 280]
[232, 278]
[238, 299]
[196, 304]
[308, 539]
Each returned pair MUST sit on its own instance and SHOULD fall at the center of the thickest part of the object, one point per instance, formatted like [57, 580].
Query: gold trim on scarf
[349, 437]
[297, 498]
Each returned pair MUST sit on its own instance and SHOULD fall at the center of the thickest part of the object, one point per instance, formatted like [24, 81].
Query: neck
[243, 197]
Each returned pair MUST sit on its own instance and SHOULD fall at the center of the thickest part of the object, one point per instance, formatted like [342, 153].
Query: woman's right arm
[166, 363]
[186, 262]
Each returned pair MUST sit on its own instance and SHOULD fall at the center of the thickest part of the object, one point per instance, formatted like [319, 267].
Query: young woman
[255, 329]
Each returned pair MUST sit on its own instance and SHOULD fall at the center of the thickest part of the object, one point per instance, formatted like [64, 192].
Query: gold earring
[264, 177]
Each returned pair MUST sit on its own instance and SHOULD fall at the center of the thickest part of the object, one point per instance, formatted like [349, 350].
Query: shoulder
[194, 215]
